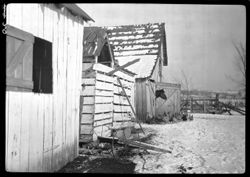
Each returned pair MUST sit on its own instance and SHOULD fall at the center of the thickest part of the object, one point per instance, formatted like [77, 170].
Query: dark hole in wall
[42, 66]
[104, 56]
[160, 94]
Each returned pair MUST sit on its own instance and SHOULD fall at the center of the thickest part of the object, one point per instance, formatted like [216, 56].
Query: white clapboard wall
[104, 103]
[42, 130]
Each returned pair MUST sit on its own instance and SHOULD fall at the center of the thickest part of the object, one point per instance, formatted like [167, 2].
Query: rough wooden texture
[122, 116]
[88, 90]
[104, 85]
[86, 129]
[43, 129]
[88, 81]
[87, 118]
[100, 99]
[103, 77]
[102, 131]
[89, 109]
[85, 138]
[101, 104]
[172, 105]
[101, 116]
[125, 108]
[118, 90]
[89, 100]
[104, 93]
[103, 122]
[105, 69]
[99, 108]
[118, 99]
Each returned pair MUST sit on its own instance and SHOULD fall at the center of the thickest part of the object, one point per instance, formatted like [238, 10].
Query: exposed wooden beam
[123, 66]
[135, 50]
[136, 39]
[138, 43]
[120, 55]
[120, 34]
[118, 79]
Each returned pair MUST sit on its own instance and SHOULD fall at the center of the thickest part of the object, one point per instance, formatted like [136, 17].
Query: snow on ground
[208, 144]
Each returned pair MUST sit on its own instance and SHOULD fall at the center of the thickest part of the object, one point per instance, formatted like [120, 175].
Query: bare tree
[240, 65]
[186, 83]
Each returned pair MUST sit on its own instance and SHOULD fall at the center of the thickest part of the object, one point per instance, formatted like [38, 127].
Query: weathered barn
[43, 84]
[147, 42]
[102, 103]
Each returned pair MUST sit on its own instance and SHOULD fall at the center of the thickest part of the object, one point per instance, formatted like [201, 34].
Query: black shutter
[42, 70]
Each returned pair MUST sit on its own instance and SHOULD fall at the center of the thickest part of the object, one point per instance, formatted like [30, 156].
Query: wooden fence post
[204, 106]
[191, 104]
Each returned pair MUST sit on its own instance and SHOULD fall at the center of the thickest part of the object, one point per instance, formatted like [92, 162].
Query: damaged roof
[94, 39]
[139, 41]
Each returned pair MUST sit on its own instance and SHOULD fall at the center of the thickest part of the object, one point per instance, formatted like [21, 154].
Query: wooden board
[103, 116]
[88, 91]
[118, 108]
[47, 139]
[106, 69]
[85, 138]
[103, 122]
[88, 100]
[99, 108]
[100, 99]
[118, 99]
[14, 121]
[104, 85]
[102, 131]
[88, 109]
[125, 83]
[87, 118]
[26, 113]
[88, 81]
[103, 93]
[59, 96]
[86, 129]
[103, 77]
[122, 116]
[118, 90]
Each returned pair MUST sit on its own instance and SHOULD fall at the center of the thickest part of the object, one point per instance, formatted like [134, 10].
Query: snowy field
[208, 144]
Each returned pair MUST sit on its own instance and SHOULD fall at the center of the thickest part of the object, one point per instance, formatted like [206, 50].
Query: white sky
[199, 37]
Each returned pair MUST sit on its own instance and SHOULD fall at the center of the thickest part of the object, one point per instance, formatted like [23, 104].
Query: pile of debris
[170, 118]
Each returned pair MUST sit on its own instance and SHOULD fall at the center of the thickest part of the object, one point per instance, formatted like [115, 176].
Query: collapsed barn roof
[94, 39]
[139, 41]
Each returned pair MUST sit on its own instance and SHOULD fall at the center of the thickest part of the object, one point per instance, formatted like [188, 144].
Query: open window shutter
[19, 59]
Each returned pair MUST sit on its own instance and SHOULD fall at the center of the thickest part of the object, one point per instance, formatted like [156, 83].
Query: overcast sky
[199, 37]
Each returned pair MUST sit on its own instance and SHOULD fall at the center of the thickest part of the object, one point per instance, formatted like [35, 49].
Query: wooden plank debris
[134, 144]
[118, 79]
[123, 66]
[147, 146]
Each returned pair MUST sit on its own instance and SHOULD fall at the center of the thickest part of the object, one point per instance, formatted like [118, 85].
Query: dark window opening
[42, 66]
[160, 94]
[104, 57]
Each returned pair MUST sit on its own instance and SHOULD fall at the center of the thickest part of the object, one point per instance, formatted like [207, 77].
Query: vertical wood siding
[172, 105]
[42, 130]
